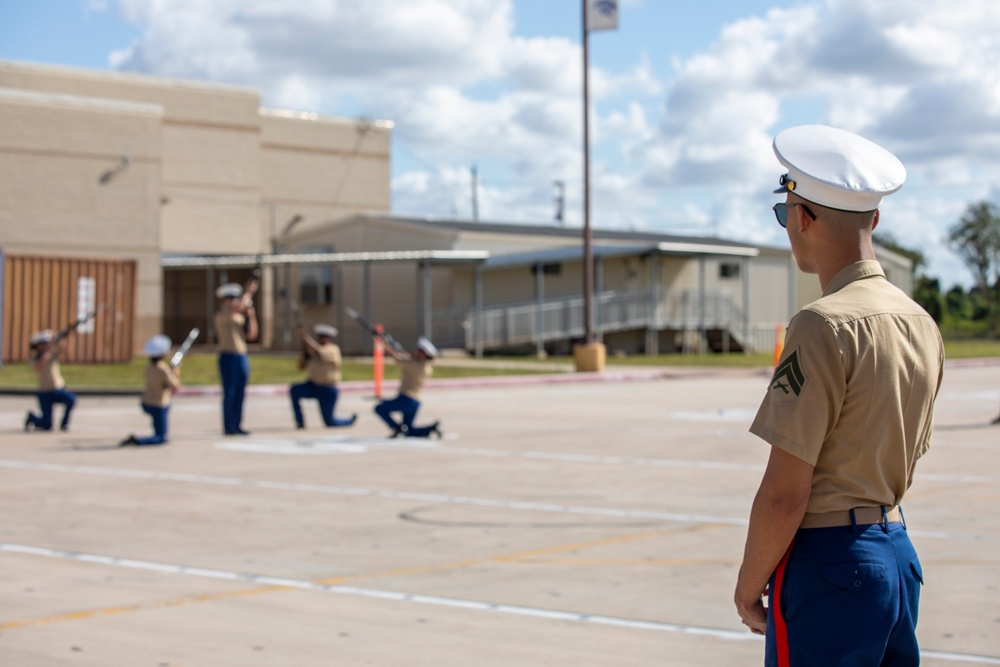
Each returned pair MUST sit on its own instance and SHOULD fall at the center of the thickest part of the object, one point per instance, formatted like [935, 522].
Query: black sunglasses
[781, 213]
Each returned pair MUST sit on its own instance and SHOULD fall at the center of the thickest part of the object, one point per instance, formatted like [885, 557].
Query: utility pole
[475, 193]
[588, 253]
[560, 201]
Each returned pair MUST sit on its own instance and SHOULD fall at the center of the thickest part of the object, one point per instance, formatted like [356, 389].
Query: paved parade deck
[578, 524]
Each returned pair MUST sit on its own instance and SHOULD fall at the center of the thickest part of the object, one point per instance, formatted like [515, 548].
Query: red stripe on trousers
[774, 601]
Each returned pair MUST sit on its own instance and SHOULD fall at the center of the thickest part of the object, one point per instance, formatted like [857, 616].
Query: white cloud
[463, 88]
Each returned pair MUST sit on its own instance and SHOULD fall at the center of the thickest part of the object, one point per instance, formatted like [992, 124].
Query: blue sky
[686, 97]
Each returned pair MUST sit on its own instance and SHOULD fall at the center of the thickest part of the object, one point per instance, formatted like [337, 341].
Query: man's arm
[777, 511]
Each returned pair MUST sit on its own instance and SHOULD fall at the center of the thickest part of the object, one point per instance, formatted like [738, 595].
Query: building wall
[210, 173]
[210, 170]
[53, 151]
[322, 168]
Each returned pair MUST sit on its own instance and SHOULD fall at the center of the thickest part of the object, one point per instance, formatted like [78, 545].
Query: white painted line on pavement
[459, 603]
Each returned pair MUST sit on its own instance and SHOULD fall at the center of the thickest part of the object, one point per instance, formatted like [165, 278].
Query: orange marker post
[779, 342]
[378, 359]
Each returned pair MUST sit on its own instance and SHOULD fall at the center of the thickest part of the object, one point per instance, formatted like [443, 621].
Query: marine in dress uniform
[235, 324]
[848, 412]
[162, 380]
[51, 386]
[415, 369]
[322, 360]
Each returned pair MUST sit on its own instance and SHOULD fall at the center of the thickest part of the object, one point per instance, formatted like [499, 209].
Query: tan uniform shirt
[853, 394]
[229, 331]
[324, 366]
[161, 382]
[415, 372]
[47, 368]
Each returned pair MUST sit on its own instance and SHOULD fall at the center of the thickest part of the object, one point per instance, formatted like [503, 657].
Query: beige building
[119, 166]
[189, 185]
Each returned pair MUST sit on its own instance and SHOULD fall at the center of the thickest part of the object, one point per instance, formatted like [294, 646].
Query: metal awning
[251, 261]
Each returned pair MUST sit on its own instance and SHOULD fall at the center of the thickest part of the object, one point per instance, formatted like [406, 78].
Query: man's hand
[751, 609]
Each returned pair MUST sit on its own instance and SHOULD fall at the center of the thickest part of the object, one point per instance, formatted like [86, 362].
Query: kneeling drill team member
[415, 369]
[847, 413]
[321, 357]
[235, 314]
[162, 380]
[51, 386]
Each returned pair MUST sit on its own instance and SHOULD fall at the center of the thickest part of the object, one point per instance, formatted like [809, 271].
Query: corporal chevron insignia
[788, 376]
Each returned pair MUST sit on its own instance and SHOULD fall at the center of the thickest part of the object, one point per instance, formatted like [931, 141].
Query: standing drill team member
[415, 369]
[162, 380]
[235, 324]
[51, 386]
[848, 412]
[321, 357]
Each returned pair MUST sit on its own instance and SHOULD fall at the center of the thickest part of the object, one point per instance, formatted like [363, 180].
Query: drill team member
[162, 380]
[847, 413]
[322, 359]
[415, 369]
[51, 386]
[235, 324]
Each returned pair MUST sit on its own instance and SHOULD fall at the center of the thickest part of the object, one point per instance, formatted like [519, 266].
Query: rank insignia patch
[788, 376]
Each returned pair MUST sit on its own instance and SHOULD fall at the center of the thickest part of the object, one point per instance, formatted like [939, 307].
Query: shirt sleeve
[805, 395]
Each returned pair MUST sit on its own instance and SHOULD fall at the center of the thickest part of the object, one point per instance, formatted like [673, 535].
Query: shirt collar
[868, 268]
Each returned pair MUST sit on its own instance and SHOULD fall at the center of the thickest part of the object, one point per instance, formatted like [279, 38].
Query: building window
[729, 270]
[547, 269]
[316, 280]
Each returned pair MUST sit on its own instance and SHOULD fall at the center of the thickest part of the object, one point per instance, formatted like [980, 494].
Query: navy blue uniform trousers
[327, 398]
[46, 399]
[235, 372]
[845, 596]
[159, 417]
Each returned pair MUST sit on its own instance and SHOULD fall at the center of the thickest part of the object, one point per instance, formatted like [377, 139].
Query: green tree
[927, 292]
[888, 240]
[976, 238]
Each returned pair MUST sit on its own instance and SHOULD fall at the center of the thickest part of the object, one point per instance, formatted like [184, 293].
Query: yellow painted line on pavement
[398, 572]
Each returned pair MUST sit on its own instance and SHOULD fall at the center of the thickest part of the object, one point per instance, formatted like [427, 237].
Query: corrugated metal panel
[52, 292]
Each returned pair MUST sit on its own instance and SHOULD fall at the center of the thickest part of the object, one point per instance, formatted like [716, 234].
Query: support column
[598, 288]
[479, 310]
[745, 273]
[701, 305]
[539, 313]
[366, 301]
[338, 295]
[266, 298]
[653, 319]
[428, 323]
[210, 305]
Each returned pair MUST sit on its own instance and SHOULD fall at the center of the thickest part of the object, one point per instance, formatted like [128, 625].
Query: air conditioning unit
[315, 294]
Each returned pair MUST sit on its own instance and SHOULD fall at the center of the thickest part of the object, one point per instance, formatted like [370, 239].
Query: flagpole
[588, 254]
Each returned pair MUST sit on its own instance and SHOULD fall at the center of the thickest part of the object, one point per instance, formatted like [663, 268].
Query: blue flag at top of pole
[602, 15]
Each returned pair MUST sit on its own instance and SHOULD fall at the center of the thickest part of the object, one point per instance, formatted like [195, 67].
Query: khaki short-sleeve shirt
[49, 374]
[229, 331]
[853, 394]
[415, 372]
[161, 382]
[324, 366]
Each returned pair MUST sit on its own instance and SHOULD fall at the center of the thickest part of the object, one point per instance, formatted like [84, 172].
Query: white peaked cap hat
[43, 336]
[836, 168]
[427, 347]
[157, 346]
[325, 330]
[229, 291]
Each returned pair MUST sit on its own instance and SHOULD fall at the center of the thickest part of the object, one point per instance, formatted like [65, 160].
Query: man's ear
[875, 221]
[802, 219]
